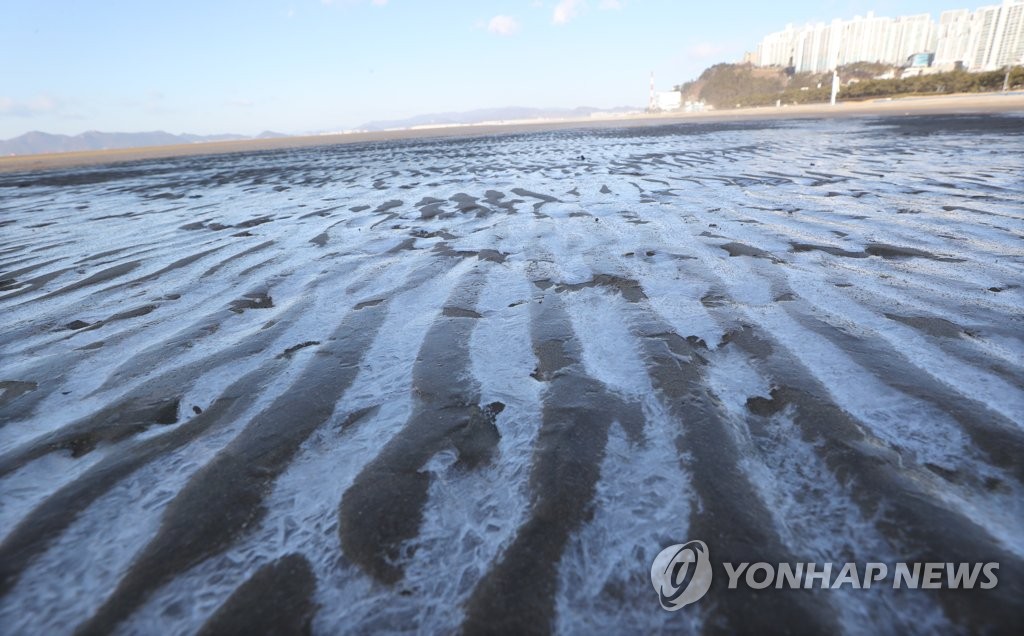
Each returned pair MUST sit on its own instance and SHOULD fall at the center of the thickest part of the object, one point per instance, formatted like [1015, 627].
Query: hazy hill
[740, 85]
[36, 142]
[732, 85]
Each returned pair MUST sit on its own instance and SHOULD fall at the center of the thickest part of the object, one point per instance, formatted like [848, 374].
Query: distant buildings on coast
[667, 101]
[988, 38]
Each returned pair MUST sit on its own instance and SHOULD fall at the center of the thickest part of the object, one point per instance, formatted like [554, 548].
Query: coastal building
[989, 38]
[819, 47]
[953, 39]
[668, 100]
[911, 35]
[997, 37]
[920, 60]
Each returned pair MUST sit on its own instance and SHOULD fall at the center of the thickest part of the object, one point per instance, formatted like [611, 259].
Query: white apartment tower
[913, 34]
[997, 37]
[953, 38]
[986, 39]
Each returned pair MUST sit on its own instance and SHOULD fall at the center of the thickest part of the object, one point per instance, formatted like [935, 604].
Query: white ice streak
[304, 503]
[470, 516]
[813, 513]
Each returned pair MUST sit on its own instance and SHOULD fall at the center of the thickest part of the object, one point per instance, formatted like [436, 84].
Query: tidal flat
[477, 384]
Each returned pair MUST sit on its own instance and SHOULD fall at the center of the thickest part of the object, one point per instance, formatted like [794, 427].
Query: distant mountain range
[492, 114]
[35, 142]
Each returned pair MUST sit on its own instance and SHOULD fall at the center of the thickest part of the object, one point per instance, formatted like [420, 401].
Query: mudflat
[943, 104]
[479, 382]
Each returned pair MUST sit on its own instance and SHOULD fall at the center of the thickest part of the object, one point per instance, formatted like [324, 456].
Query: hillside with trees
[726, 86]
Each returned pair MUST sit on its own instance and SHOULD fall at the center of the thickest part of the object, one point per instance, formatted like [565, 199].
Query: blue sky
[313, 65]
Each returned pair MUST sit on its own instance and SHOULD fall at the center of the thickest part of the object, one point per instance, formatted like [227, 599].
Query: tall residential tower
[986, 39]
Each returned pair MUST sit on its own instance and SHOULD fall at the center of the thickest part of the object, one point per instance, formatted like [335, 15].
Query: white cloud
[379, 3]
[607, 5]
[566, 10]
[503, 25]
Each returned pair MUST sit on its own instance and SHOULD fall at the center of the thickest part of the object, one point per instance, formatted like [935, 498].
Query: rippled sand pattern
[479, 384]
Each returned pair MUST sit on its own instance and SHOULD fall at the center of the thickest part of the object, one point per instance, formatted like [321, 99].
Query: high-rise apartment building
[912, 34]
[953, 38]
[997, 37]
[988, 38]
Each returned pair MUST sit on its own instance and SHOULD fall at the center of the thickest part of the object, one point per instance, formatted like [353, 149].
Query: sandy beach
[946, 104]
[476, 380]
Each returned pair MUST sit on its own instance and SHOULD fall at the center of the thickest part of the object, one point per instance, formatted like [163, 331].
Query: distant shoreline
[944, 104]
